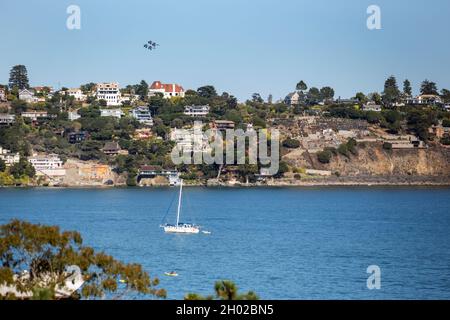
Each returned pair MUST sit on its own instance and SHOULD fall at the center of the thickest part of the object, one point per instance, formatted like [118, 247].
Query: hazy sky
[239, 46]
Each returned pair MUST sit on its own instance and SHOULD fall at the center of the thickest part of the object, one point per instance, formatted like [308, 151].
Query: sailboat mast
[179, 202]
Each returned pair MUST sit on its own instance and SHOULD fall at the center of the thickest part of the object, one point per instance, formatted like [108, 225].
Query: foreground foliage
[224, 290]
[42, 250]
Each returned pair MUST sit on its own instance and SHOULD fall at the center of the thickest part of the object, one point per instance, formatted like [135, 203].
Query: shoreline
[342, 182]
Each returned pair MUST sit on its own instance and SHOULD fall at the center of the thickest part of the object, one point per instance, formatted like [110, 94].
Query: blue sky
[239, 46]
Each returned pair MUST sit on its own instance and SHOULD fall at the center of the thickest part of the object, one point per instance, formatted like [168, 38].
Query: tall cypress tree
[407, 90]
[391, 92]
[18, 77]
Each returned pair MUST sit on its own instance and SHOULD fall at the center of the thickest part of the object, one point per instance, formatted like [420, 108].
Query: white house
[27, 96]
[196, 111]
[109, 92]
[292, 98]
[9, 157]
[188, 140]
[48, 165]
[77, 94]
[128, 98]
[168, 90]
[117, 113]
[6, 119]
[371, 106]
[35, 115]
[73, 115]
[143, 115]
[425, 99]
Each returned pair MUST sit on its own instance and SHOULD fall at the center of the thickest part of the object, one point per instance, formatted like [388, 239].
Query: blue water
[283, 243]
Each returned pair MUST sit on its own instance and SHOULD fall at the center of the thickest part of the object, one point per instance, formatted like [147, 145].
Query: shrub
[387, 146]
[291, 143]
[324, 156]
[343, 149]
[445, 141]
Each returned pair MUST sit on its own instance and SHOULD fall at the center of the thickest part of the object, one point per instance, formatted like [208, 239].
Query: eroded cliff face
[372, 159]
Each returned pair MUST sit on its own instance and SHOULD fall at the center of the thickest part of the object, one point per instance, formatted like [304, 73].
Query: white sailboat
[180, 227]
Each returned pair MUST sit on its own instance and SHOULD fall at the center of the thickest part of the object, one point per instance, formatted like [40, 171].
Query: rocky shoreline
[356, 181]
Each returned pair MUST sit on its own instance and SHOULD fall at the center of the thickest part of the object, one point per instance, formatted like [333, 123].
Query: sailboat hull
[181, 229]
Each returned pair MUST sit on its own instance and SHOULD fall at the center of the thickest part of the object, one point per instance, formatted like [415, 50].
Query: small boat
[206, 232]
[180, 227]
[171, 274]
[122, 281]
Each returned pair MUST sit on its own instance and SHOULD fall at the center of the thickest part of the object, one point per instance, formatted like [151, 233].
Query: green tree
[88, 87]
[407, 90]
[256, 97]
[375, 97]
[373, 117]
[428, 87]
[314, 95]
[46, 253]
[301, 86]
[224, 290]
[445, 95]
[2, 165]
[19, 106]
[207, 92]
[22, 168]
[142, 90]
[327, 93]
[291, 143]
[324, 156]
[18, 77]
[391, 93]
[232, 102]
[361, 97]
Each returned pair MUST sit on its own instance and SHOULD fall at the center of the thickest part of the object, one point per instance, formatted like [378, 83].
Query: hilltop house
[109, 92]
[117, 113]
[196, 111]
[77, 94]
[48, 165]
[8, 157]
[7, 119]
[425, 99]
[351, 101]
[371, 106]
[221, 124]
[168, 90]
[27, 96]
[127, 98]
[112, 148]
[143, 115]
[73, 115]
[292, 98]
[37, 115]
[77, 137]
[43, 90]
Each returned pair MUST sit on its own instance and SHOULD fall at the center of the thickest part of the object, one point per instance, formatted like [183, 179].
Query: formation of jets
[150, 45]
